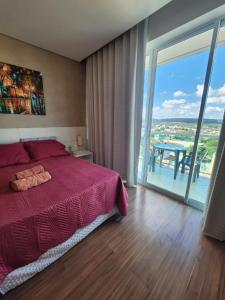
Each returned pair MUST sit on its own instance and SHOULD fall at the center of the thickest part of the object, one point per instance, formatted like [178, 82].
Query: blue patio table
[171, 148]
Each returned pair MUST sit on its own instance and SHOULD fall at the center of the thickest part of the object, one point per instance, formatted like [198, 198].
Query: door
[180, 135]
[210, 132]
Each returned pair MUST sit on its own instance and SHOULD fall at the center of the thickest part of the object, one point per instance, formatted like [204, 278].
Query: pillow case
[13, 154]
[43, 149]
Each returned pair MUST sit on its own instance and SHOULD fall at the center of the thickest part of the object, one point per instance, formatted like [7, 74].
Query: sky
[179, 87]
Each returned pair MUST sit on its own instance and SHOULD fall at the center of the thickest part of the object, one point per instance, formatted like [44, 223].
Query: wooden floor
[156, 253]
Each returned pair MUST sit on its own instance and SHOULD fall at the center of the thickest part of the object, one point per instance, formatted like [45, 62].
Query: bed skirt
[20, 275]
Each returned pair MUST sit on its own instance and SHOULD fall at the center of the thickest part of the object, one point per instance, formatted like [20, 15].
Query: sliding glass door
[182, 117]
[210, 131]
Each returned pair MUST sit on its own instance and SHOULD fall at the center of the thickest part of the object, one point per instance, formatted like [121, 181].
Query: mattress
[20, 275]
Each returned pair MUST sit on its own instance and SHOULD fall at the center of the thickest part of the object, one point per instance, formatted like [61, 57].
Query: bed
[39, 225]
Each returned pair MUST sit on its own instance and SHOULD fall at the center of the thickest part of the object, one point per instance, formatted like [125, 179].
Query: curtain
[215, 217]
[114, 98]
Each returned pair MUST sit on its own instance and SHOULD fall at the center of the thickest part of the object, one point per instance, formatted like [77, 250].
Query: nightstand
[84, 154]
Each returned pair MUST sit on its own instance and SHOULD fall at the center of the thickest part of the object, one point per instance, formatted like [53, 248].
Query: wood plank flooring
[156, 253]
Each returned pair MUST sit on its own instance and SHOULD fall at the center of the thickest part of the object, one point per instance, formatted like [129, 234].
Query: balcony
[162, 175]
[163, 178]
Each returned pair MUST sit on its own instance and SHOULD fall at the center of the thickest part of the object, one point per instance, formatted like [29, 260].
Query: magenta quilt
[34, 221]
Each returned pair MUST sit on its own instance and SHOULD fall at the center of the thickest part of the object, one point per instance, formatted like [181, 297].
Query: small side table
[84, 154]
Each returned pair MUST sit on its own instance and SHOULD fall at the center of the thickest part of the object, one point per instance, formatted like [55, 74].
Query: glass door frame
[215, 26]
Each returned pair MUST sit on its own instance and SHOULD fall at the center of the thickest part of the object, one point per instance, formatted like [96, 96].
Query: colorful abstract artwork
[21, 91]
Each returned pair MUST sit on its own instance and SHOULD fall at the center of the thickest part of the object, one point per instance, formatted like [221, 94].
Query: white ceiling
[73, 28]
[195, 44]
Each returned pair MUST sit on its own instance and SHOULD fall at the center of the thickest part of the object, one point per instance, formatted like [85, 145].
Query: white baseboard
[66, 135]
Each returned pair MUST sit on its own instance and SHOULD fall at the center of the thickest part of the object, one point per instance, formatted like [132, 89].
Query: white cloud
[221, 90]
[187, 110]
[179, 94]
[214, 112]
[213, 109]
[218, 99]
[217, 92]
[176, 108]
[212, 93]
[199, 90]
[173, 102]
[162, 112]
[192, 105]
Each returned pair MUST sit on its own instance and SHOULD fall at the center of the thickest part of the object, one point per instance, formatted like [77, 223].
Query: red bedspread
[34, 221]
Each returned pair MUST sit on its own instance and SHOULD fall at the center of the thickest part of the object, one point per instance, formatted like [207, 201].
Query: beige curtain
[114, 97]
[215, 217]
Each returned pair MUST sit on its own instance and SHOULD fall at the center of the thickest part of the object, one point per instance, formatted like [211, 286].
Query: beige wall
[64, 86]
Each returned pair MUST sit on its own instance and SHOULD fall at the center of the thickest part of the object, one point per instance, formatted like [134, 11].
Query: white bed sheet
[20, 275]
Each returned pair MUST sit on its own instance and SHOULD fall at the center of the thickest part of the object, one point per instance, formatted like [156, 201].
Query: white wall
[66, 135]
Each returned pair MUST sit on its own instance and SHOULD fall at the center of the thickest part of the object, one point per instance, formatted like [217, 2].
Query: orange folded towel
[24, 184]
[29, 172]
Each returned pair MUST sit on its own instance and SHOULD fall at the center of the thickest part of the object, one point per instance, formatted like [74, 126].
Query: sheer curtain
[114, 98]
